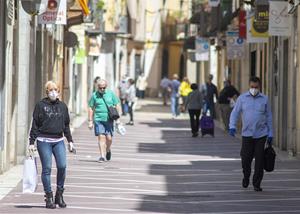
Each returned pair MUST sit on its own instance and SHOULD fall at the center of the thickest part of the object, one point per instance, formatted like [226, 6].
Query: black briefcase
[269, 159]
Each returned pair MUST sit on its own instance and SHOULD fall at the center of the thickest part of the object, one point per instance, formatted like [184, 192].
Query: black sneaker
[101, 160]
[108, 155]
[245, 182]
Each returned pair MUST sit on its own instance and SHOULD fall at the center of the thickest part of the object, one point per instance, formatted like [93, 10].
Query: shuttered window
[10, 12]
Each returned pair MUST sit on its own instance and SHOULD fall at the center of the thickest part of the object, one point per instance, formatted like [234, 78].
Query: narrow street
[157, 167]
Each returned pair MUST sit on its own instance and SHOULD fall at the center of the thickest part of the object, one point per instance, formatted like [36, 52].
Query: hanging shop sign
[214, 3]
[235, 45]
[250, 38]
[56, 13]
[260, 22]
[279, 21]
[202, 49]
[242, 24]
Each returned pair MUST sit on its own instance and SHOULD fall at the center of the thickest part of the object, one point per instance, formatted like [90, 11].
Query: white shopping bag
[120, 129]
[30, 176]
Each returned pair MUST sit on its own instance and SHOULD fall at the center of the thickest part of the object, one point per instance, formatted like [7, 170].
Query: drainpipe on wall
[293, 145]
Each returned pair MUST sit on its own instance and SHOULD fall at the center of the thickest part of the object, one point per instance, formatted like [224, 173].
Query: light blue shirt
[256, 115]
[165, 83]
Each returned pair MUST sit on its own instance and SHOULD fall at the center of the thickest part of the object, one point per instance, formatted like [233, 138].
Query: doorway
[2, 68]
[284, 95]
[253, 64]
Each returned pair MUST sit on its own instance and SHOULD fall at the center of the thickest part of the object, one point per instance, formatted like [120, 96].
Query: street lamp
[34, 7]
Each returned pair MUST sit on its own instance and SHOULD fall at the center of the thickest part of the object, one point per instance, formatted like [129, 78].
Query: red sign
[242, 24]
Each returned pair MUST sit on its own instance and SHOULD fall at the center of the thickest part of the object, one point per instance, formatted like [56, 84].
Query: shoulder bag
[112, 111]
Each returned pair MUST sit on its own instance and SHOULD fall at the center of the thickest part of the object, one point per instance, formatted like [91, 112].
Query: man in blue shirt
[165, 85]
[175, 95]
[209, 90]
[256, 130]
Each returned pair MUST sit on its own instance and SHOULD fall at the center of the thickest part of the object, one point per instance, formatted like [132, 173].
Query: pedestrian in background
[227, 98]
[209, 91]
[194, 104]
[50, 124]
[123, 86]
[99, 118]
[175, 96]
[130, 100]
[141, 85]
[165, 85]
[184, 90]
[256, 130]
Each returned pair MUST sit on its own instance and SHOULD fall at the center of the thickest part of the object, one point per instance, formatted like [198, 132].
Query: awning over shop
[75, 17]
[84, 5]
[76, 13]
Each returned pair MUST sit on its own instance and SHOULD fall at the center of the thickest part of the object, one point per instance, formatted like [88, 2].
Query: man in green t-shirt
[99, 119]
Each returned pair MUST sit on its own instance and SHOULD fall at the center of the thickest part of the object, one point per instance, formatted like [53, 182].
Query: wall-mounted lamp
[292, 6]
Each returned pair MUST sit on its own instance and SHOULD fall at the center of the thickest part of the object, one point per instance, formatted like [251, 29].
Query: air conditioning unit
[34, 7]
[292, 6]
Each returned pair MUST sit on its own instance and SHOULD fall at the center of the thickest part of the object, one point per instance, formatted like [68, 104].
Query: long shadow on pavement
[179, 141]
[206, 177]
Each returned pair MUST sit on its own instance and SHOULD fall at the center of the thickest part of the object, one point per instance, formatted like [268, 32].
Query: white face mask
[253, 91]
[53, 95]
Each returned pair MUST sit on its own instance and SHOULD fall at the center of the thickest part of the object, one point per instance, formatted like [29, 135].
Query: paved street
[159, 168]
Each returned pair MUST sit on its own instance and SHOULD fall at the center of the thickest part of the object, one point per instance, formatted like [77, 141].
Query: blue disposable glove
[232, 132]
[269, 140]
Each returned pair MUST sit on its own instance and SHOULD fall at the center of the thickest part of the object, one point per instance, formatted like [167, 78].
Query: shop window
[138, 63]
[261, 70]
[265, 70]
[165, 63]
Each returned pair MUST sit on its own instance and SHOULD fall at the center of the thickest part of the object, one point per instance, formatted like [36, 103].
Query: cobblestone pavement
[159, 168]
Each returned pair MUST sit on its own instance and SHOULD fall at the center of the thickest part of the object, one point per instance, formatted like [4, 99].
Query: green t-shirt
[97, 104]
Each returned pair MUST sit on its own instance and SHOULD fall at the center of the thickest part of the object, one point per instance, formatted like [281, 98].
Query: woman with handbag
[50, 125]
[103, 111]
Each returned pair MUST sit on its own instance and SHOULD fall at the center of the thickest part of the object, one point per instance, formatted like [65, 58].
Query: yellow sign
[260, 22]
[255, 32]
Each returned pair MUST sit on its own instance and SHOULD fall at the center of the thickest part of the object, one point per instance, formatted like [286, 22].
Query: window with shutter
[10, 12]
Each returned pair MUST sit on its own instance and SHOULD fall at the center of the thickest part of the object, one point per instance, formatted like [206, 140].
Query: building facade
[30, 55]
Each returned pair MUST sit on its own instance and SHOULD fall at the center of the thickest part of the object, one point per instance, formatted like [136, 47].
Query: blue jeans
[209, 106]
[104, 128]
[59, 151]
[174, 106]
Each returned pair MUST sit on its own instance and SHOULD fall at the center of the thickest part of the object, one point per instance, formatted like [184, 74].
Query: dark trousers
[130, 111]
[124, 106]
[140, 94]
[165, 95]
[211, 107]
[253, 148]
[194, 119]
